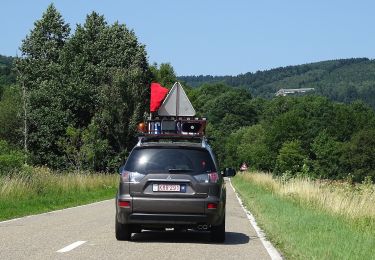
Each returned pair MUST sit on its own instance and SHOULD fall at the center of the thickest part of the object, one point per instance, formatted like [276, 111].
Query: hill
[343, 80]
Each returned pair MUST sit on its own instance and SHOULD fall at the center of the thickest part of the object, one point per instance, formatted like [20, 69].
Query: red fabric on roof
[158, 93]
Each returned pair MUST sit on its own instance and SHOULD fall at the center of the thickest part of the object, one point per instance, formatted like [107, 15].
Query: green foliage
[10, 159]
[290, 159]
[85, 149]
[327, 152]
[343, 80]
[40, 73]
[227, 110]
[304, 231]
[306, 135]
[253, 149]
[34, 190]
[85, 91]
[7, 75]
[233, 157]
[10, 115]
[164, 74]
[359, 155]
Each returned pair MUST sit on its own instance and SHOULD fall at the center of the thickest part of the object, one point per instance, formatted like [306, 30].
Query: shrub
[327, 152]
[291, 158]
[10, 159]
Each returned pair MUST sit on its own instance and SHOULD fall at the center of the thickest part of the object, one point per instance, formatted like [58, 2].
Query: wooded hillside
[342, 80]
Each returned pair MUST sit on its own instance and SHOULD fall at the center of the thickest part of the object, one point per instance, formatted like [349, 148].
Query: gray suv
[171, 183]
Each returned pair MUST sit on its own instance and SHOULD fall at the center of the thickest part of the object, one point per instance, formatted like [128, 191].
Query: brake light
[125, 176]
[124, 204]
[212, 206]
[133, 177]
[213, 177]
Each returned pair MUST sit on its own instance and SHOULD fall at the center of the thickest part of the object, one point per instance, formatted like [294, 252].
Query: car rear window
[161, 160]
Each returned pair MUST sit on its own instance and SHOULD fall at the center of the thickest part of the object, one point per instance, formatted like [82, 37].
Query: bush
[327, 153]
[253, 149]
[10, 159]
[291, 158]
[359, 155]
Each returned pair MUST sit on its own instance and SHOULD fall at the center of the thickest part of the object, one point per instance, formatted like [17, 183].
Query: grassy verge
[40, 190]
[307, 227]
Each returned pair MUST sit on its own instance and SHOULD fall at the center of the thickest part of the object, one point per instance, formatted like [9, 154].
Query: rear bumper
[176, 219]
[164, 216]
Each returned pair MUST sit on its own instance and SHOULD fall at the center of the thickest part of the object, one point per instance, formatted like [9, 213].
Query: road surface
[87, 232]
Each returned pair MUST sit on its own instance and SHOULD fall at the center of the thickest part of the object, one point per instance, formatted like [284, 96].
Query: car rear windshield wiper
[180, 170]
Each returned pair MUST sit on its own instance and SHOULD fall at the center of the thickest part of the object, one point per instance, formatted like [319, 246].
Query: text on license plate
[169, 187]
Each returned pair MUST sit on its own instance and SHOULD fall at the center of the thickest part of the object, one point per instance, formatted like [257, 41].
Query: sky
[217, 37]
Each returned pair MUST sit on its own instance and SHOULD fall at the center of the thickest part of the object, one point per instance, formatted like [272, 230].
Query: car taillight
[125, 175]
[133, 177]
[124, 204]
[211, 177]
[212, 206]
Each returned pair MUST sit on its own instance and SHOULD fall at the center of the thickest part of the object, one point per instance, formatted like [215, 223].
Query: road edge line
[54, 211]
[272, 251]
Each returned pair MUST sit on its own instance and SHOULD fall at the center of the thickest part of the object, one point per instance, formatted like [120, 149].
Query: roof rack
[174, 126]
[171, 137]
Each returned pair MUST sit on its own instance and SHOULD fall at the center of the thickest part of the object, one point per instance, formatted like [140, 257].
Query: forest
[307, 136]
[72, 101]
[343, 80]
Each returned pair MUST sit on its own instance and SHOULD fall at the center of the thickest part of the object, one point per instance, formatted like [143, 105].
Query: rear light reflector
[213, 177]
[212, 206]
[124, 204]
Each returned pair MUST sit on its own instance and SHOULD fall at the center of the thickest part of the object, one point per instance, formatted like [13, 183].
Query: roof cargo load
[174, 117]
[176, 103]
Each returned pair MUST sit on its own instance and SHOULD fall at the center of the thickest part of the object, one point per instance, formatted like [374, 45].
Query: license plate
[168, 188]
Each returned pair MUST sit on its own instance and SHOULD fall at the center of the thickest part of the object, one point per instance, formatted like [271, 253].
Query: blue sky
[218, 37]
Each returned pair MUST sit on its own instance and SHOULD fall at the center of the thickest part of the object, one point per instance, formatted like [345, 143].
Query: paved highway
[87, 232]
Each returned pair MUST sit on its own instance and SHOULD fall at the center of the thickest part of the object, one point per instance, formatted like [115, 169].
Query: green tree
[42, 76]
[253, 149]
[359, 153]
[163, 74]
[327, 152]
[108, 80]
[291, 158]
[97, 78]
[11, 159]
[10, 116]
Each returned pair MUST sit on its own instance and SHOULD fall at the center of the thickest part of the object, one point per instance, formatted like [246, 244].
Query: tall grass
[35, 190]
[309, 219]
[351, 200]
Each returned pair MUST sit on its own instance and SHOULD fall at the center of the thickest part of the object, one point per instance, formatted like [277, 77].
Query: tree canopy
[343, 80]
[91, 86]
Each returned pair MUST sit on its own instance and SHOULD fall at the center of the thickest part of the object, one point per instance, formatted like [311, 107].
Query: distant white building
[287, 91]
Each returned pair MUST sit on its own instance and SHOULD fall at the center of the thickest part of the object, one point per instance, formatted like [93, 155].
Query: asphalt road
[87, 232]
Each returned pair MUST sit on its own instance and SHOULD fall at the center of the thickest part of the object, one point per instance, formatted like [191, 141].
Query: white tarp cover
[176, 103]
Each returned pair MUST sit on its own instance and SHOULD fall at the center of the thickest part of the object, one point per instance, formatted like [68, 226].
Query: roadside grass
[312, 220]
[38, 190]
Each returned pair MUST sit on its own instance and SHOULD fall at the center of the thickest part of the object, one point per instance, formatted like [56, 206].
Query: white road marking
[272, 251]
[71, 247]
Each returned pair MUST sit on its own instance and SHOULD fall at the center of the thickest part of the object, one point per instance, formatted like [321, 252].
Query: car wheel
[123, 231]
[218, 232]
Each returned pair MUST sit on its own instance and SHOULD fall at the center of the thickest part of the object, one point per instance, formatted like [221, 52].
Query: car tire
[218, 232]
[123, 231]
